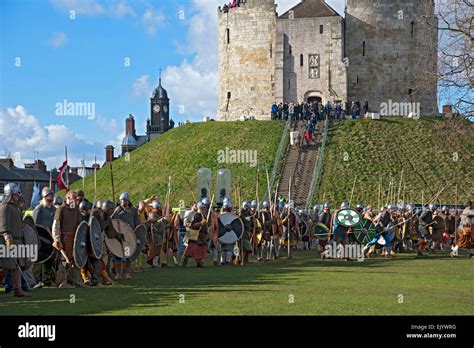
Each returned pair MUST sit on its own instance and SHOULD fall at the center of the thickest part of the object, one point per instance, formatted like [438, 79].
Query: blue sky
[49, 54]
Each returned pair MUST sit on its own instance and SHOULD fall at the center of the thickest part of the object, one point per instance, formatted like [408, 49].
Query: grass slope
[434, 285]
[431, 152]
[181, 152]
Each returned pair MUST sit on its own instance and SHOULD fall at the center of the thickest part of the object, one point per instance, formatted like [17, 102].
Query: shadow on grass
[162, 288]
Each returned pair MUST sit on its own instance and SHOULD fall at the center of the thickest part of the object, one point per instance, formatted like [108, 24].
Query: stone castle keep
[379, 52]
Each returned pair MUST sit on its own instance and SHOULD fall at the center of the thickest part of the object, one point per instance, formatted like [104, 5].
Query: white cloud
[58, 39]
[85, 7]
[152, 19]
[122, 9]
[94, 8]
[22, 134]
[141, 86]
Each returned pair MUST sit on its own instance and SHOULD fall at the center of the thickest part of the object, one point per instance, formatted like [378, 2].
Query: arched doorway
[313, 96]
[314, 99]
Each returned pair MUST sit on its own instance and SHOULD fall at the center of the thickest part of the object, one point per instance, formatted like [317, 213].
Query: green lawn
[433, 285]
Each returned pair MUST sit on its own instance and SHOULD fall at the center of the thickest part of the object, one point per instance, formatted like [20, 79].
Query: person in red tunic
[197, 236]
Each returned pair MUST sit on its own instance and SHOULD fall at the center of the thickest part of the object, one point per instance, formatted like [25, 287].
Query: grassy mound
[180, 153]
[432, 153]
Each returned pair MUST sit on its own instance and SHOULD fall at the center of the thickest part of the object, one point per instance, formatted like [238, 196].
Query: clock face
[156, 108]
[165, 108]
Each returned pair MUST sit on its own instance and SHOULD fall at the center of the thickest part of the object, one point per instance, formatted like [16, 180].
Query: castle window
[321, 29]
[290, 49]
[410, 92]
[363, 48]
[227, 31]
[301, 60]
[289, 84]
[357, 80]
[314, 61]
[271, 51]
[412, 31]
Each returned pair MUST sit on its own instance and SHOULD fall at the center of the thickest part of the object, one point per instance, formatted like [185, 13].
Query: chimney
[109, 154]
[130, 126]
[7, 163]
[39, 164]
[447, 109]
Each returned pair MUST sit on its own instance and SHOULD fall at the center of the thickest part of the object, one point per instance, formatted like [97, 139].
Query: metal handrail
[279, 154]
[319, 166]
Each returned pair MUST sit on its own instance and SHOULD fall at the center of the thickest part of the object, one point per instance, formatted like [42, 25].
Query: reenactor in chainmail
[267, 237]
[66, 221]
[248, 220]
[103, 215]
[11, 234]
[129, 214]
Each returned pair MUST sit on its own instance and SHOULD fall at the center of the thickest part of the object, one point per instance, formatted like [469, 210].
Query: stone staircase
[299, 164]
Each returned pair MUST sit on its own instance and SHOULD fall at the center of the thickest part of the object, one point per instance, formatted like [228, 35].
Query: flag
[62, 176]
[35, 196]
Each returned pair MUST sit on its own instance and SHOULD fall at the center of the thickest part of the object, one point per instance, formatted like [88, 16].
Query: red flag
[62, 180]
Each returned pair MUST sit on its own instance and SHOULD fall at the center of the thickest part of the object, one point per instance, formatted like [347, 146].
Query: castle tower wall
[246, 42]
[299, 42]
[392, 54]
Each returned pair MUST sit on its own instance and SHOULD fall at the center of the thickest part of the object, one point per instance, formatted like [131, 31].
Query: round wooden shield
[80, 244]
[31, 240]
[348, 218]
[126, 248]
[95, 237]
[364, 231]
[230, 228]
[45, 250]
[321, 231]
[141, 236]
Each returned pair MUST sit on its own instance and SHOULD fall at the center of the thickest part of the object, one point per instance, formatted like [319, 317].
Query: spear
[400, 186]
[84, 173]
[67, 170]
[112, 181]
[352, 193]
[289, 211]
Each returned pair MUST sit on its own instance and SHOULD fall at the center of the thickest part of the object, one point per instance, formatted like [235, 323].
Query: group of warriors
[83, 243]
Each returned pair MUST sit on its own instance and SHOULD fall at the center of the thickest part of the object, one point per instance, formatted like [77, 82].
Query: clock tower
[159, 121]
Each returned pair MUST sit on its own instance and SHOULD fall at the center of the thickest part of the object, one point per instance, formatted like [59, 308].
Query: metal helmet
[432, 207]
[409, 207]
[344, 205]
[300, 212]
[327, 206]
[227, 204]
[360, 206]
[124, 197]
[46, 191]
[316, 208]
[57, 200]
[84, 206]
[246, 205]
[107, 205]
[200, 205]
[156, 204]
[444, 208]
[11, 189]
[392, 207]
[206, 202]
[266, 204]
[253, 204]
